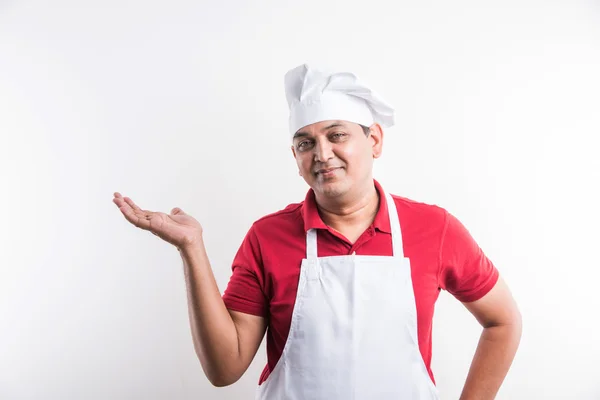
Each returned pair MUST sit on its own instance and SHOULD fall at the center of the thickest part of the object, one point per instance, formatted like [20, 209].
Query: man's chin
[333, 188]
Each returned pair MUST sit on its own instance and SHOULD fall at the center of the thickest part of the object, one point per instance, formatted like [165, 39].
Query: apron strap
[397, 247]
[311, 244]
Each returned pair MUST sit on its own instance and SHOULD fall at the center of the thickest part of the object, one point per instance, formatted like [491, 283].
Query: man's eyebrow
[300, 134]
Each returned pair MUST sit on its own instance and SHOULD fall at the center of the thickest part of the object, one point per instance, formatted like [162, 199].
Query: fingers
[120, 200]
[133, 213]
[138, 218]
[177, 211]
[127, 200]
[131, 203]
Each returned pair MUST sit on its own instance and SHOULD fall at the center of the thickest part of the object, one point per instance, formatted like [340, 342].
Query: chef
[343, 283]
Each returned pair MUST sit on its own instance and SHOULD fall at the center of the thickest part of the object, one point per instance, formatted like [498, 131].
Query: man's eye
[338, 135]
[303, 144]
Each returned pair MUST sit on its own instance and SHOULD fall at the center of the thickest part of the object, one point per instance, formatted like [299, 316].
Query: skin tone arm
[497, 312]
[225, 341]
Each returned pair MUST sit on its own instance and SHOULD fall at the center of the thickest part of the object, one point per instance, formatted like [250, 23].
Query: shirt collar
[312, 219]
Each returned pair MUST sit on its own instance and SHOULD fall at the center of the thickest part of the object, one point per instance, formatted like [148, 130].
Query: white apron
[353, 334]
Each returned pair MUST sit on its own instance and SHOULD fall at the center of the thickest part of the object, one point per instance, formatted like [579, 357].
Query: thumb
[177, 211]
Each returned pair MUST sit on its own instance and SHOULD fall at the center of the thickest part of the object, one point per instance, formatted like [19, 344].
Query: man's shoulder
[291, 214]
[408, 207]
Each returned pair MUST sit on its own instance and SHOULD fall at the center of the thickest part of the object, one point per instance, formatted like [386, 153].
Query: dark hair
[366, 130]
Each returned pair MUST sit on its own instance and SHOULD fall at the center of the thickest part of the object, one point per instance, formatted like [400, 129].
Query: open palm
[177, 228]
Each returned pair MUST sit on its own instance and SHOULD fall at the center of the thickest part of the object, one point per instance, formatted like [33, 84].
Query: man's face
[335, 156]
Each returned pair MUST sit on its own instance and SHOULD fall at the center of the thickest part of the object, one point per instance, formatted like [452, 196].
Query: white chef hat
[314, 94]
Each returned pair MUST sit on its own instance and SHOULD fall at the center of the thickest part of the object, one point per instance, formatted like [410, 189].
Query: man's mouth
[327, 171]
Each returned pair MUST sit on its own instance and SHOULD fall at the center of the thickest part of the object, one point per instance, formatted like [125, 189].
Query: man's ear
[377, 138]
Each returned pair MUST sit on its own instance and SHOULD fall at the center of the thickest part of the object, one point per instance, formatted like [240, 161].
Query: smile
[328, 171]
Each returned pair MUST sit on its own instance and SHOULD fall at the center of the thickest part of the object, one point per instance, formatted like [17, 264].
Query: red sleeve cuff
[482, 290]
[244, 307]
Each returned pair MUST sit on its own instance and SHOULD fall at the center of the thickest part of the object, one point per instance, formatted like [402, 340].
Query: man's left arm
[500, 318]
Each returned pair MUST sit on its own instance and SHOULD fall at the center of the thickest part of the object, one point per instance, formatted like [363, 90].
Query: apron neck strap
[311, 244]
[398, 251]
[397, 247]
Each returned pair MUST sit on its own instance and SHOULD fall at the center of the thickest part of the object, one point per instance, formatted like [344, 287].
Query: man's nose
[323, 151]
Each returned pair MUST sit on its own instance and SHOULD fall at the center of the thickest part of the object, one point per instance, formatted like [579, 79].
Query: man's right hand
[226, 341]
[177, 228]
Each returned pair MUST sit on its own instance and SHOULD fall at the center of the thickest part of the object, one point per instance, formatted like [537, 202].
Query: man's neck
[358, 210]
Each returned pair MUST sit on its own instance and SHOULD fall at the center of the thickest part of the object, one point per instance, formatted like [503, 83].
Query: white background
[182, 104]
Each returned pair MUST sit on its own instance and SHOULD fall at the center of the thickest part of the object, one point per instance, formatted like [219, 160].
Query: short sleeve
[244, 290]
[465, 271]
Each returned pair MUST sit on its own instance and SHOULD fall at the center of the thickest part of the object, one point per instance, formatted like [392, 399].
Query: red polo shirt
[442, 254]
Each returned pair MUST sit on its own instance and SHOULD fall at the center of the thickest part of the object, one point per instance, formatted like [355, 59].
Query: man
[345, 282]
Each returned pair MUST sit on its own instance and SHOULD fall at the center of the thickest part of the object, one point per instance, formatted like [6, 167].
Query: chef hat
[314, 95]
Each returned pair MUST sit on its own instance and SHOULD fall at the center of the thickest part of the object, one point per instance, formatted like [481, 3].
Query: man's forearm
[494, 355]
[213, 330]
